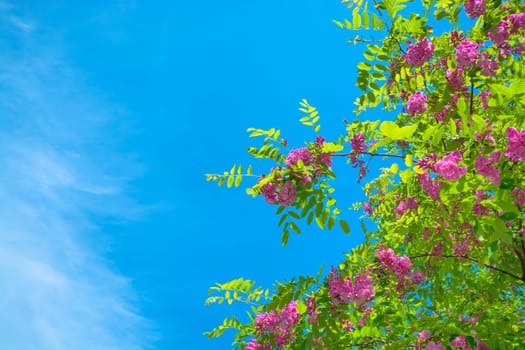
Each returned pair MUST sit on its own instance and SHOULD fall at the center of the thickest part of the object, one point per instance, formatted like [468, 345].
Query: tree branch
[473, 260]
[370, 154]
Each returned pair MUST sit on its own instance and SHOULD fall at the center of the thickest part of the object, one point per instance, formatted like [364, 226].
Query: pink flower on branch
[342, 291]
[456, 79]
[516, 146]
[280, 324]
[466, 54]
[417, 103]
[302, 154]
[287, 193]
[448, 168]
[434, 346]
[475, 8]
[418, 54]
[487, 166]
[431, 187]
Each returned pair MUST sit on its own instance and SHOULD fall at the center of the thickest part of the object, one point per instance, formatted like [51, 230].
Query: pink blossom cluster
[284, 195]
[483, 96]
[440, 116]
[342, 290]
[407, 204]
[478, 208]
[417, 103]
[475, 8]
[519, 193]
[456, 79]
[516, 145]
[422, 337]
[358, 146]
[511, 24]
[488, 167]
[299, 154]
[461, 247]
[279, 324]
[401, 266]
[488, 66]
[434, 346]
[461, 342]
[419, 53]
[283, 190]
[358, 143]
[430, 186]
[254, 344]
[466, 54]
[311, 310]
[448, 168]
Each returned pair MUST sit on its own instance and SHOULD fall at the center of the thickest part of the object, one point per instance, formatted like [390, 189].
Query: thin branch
[370, 154]
[471, 97]
[473, 260]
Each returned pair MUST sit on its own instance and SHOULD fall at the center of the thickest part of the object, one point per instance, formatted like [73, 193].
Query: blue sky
[111, 112]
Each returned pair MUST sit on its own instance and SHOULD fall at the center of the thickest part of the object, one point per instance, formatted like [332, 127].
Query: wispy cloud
[61, 172]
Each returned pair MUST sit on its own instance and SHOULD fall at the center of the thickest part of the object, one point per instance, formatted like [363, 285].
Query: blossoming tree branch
[444, 267]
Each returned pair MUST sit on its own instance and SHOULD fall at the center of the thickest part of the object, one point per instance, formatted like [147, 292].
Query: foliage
[445, 266]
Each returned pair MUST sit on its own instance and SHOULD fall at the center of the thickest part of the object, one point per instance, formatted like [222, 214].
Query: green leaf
[284, 237]
[339, 24]
[294, 227]
[357, 20]
[389, 129]
[320, 222]
[238, 180]
[344, 226]
[366, 20]
[331, 147]
[368, 55]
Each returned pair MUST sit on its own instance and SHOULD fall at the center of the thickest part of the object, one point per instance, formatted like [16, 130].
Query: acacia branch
[370, 154]
[473, 260]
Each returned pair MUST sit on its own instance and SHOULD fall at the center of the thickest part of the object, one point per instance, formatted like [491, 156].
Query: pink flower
[424, 335]
[342, 291]
[418, 54]
[287, 193]
[517, 20]
[280, 324]
[487, 65]
[302, 154]
[488, 167]
[461, 248]
[466, 54]
[475, 8]
[501, 34]
[400, 209]
[402, 266]
[270, 193]
[358, 143]
[411, 203]
[519, 193]
[483, 96]
[448, 168]
[434, 346]
[459, 342]
[431, 187]
[417, 103]
[368, 208]
[455, 79]
[516, 146]
[253, 344]
[478, 208]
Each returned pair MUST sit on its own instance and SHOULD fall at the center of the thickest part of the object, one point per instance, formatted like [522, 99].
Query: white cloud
[57, 168]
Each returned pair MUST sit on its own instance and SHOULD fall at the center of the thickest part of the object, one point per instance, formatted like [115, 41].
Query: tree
[445, 265]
